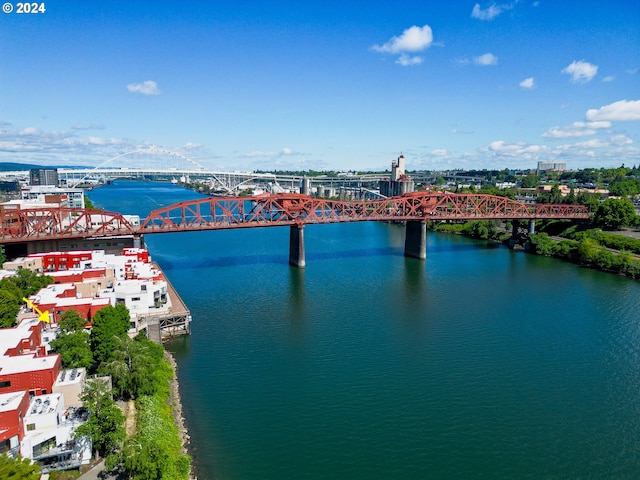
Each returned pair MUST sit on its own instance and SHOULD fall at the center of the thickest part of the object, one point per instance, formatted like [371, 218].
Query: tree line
[138, 371]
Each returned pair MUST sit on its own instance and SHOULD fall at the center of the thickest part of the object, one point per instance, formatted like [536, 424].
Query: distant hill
[12, 166]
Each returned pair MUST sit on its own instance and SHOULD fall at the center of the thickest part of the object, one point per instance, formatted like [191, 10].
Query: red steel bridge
[294, 210]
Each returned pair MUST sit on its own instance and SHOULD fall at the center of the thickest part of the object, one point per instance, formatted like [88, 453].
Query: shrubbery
[588, 252]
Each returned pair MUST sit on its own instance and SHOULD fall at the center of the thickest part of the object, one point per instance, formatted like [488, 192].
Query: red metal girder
[273, 210]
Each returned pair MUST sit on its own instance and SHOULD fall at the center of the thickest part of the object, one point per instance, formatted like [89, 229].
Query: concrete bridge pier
[415, 239]
[296, 246]
[515, 233]
[520, 233]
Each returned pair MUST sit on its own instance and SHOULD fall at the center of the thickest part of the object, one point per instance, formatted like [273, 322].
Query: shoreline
[176, 404]
[175, 399]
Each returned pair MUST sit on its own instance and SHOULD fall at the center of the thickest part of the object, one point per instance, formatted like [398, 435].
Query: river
[479, 362]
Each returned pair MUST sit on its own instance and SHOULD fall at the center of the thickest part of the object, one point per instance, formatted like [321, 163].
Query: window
[5, 384]
[135, 299]
[31, 427]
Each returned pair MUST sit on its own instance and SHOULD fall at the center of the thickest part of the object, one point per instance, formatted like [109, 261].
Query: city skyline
[324, 85]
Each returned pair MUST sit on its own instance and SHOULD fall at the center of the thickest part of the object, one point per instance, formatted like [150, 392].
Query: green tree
[555, 196]
[18, 468]
[590, 200]
[137, 368]
[154, 452]
[29, 282]
[571, 197]
[9, 307]
[14, 289]
[74, 349]
[543, 245]
[615, 213]
[105, 426]
[71, 321]
[530, 181]
[587, 251]
[109, 325]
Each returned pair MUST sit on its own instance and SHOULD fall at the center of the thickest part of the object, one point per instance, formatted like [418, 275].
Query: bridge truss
[215, 213]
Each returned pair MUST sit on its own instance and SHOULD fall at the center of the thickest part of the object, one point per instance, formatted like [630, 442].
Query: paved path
[98, 473]
[94, 473]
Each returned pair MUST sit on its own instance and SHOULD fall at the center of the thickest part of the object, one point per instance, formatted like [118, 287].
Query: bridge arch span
[151, 151]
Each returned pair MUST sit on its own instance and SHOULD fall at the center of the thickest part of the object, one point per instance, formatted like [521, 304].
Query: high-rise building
[551, 167]
[43, 176]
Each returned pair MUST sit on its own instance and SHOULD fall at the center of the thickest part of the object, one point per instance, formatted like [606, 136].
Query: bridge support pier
[415, 239]
[532, 227]
[296, 246]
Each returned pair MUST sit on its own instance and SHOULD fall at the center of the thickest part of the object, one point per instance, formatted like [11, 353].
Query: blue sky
[344, 85]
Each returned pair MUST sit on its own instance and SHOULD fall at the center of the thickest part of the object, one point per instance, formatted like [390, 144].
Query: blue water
[479, 362]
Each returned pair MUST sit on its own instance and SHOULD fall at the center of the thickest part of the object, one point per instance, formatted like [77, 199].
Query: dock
[164, 326]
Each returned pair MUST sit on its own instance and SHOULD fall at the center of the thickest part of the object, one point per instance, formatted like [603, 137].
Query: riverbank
[180, 326]
[176, 403]
[591, 248]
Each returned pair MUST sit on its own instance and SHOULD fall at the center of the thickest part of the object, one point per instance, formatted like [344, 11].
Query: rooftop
[11, 401]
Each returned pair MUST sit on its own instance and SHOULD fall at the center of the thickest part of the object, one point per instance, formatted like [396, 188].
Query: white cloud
[614, 141]
[576, 129]
[413, 39]
[608, 78]
[490, 12]
[617, 111]
[581, 72]
[33, 145]
[441, 152]
[148, 87]
[268, 154]
[259, 153]
[527, 83]
[407, 61]
[486, 59]
[519, 149]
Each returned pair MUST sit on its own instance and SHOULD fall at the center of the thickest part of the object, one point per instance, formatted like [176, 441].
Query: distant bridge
[158, 163]
[294, 210]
